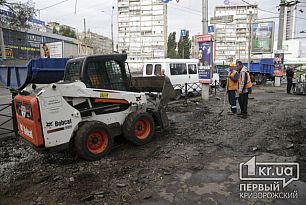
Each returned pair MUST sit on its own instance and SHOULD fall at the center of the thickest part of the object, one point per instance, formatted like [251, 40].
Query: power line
[58, 3]
[187, 8]
[189, 12]
[271, 12]
[82, 10]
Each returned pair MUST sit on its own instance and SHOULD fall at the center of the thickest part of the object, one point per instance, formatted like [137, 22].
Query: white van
[180, 71]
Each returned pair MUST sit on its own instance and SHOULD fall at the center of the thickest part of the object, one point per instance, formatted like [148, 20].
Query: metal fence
[6, 125]
[189, 90]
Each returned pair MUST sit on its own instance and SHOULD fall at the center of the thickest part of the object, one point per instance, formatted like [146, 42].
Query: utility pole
[281, 25]
[112, 28]
[205, 86]
[2, 43]
[85, 26]
[250, 39]
[205, 16]
[85, 37]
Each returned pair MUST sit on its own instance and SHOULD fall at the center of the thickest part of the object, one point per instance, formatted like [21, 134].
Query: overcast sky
[183, 15]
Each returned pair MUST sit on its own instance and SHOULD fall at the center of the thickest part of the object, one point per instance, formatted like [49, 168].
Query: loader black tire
[93, 141]
[139, 128]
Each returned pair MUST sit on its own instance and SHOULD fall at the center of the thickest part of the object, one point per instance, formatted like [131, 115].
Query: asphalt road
[5, 98]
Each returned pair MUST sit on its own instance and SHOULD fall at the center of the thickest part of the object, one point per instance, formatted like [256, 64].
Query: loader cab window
[72, 72]
[105, 75]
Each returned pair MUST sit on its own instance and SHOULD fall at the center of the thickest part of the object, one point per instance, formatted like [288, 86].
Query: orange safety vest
[249, 82]
[232, 85]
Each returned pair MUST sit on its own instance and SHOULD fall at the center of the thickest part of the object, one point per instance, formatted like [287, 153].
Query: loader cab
[99, 72]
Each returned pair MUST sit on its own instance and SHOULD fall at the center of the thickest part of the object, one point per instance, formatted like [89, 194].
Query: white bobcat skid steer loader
[95, 102]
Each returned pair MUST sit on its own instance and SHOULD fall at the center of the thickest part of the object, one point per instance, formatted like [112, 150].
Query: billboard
[52, 50]
[205, 46]
[262, 37]
[205, 53]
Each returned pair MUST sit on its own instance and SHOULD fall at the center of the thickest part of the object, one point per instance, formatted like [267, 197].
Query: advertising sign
[205, 53]
[278, 64]
[52, 50]
[262, 37]
[204, 74]
[204, 38]
[222, 19]
[205, 58]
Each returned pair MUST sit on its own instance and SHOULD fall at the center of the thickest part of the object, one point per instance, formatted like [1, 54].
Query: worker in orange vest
[245, 87]
[232, 88]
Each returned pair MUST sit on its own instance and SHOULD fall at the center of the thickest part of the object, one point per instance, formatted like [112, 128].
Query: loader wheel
[93, 141]
[139, 128]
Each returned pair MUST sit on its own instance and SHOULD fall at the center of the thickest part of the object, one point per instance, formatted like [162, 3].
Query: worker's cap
[232, 65]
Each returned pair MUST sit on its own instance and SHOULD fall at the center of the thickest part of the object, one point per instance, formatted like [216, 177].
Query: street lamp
[112, 26]
[303, 31]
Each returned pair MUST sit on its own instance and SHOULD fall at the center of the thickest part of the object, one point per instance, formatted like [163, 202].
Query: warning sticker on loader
[103, 95]
[51, 102]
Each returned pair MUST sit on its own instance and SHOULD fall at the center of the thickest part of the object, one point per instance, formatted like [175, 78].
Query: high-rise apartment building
[232, 39]
[142, 30]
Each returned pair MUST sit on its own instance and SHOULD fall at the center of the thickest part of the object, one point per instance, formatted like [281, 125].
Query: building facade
[100, 44]
[142, 30]
[27, 44]
[55, 26]
[232, 39]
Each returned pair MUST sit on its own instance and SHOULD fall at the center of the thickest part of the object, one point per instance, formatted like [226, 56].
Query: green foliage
[184, 47]
[65, 31]
[171, 46]
[54, 30]
[20, 11]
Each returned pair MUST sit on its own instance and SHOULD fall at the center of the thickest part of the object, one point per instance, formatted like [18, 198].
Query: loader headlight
[24, 110]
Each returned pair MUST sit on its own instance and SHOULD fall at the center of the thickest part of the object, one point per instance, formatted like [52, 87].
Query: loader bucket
[161, 84]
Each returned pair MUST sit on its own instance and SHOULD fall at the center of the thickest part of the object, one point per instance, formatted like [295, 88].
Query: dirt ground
[196, 161]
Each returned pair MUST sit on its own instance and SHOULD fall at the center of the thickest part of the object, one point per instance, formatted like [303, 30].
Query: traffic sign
[211, 29]
[183, 33]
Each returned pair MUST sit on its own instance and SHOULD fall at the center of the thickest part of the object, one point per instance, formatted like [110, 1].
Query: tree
[171, 46]
[54, 30]
[66, 31]
[184, 47]
[18, 15]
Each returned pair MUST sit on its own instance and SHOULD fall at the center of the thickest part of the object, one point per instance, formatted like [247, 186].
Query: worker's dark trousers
[289, 84]
[243, 102]
[232, 100]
